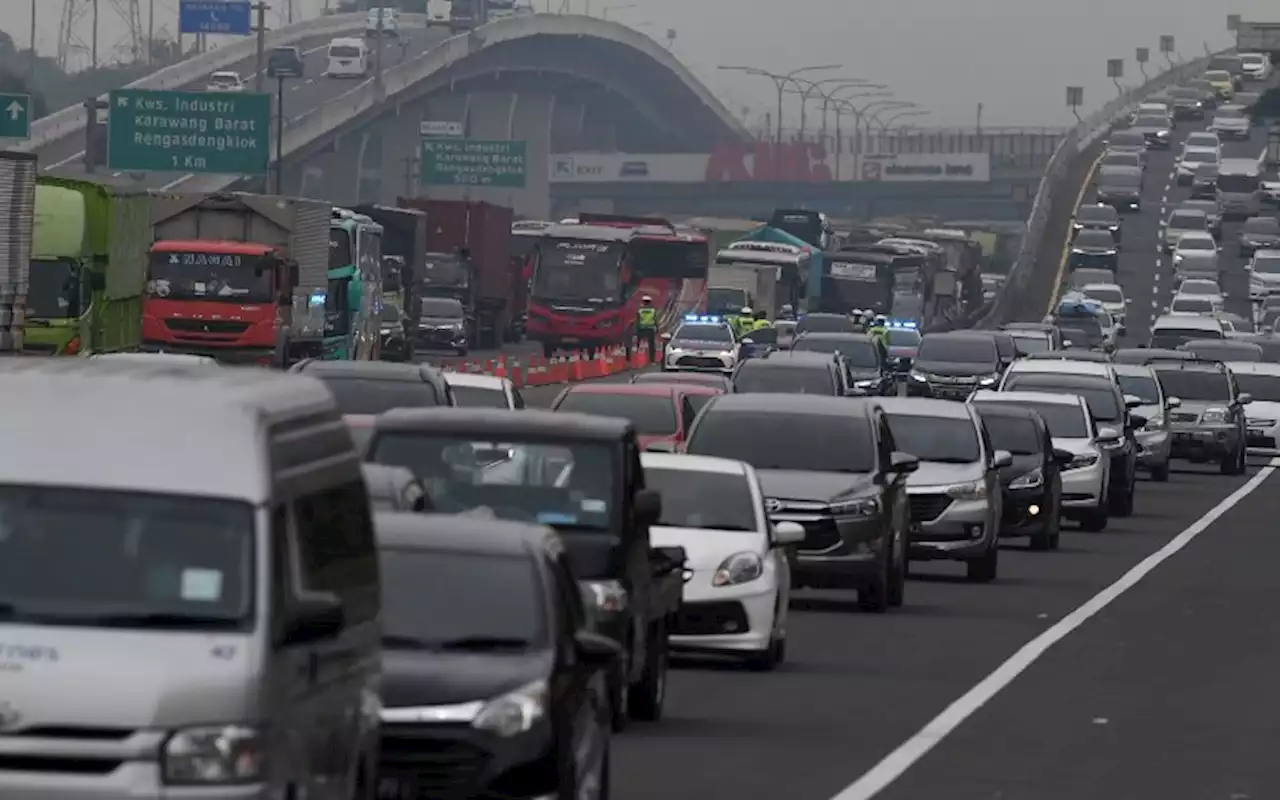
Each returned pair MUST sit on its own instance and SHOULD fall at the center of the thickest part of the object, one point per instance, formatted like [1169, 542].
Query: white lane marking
[931, 735]
[79, 155]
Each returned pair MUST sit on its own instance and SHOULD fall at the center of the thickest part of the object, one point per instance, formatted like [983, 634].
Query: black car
[1095, 249]
[576, 473]
[758, 343]
[1097, 217]
[442, 324]
[395, 330]
[1259, 233]
[824, 323]
[1032, 484]
[1120, 187]
[485, 617]
[286, 62]
[371, 387]
[395, 489]
[784, 373]
[829, 464]
[1006, 347]
[864, 360]
[951, 365]
[1188, 103]
[1109, 410]
[1204, 182]
[903, 344]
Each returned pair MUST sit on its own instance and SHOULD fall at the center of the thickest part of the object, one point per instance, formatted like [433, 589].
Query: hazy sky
[1014, 56]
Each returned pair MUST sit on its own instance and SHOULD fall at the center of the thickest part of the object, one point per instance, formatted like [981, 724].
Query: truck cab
[353, 297]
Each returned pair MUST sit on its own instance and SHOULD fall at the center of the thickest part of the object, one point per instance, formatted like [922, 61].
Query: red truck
[469, 257]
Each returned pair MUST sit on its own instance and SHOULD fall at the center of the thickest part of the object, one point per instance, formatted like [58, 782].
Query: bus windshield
[230, 277]
[579, 270]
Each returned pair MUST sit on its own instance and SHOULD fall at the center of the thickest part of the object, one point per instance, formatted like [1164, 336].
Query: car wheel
[619, 700]
[768, 659]
[1234, 463]
[873, 596]
[983, 568]
[1095, 521]
[648, 696]
[1046, 538]
[1121, 504]
[898, 575]
[1160, 473]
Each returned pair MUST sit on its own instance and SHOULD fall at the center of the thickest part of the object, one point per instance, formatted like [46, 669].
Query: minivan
[348, 58]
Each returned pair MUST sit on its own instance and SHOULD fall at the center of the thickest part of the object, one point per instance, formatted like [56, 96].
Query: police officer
[647, 324]
[880, 329]
[743, 323]
[787, 312]
[760, 322]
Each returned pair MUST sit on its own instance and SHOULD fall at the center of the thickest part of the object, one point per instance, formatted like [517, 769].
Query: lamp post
[834, 99]
[892, 107]
[887, 125]
[810, 90]
[780, 82]
[862, 113]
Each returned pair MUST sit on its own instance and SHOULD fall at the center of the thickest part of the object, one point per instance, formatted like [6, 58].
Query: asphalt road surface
[1132, 664]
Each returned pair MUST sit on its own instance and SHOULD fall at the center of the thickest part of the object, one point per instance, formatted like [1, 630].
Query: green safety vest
[647, 317]
[879, 333]
[761, 324]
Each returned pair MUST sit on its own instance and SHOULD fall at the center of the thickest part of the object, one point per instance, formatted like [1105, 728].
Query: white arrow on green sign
[15, 116]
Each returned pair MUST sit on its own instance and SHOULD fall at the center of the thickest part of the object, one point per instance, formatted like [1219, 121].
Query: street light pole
[885, 108]
[279, 134]
[780, 82]
[259, 66]
[888, 124]
[813, 89]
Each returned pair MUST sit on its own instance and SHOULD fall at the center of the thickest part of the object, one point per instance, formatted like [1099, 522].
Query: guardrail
[68, 121]
[1056, 188]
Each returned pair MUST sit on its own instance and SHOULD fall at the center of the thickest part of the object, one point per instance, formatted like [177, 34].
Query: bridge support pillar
[566, 126]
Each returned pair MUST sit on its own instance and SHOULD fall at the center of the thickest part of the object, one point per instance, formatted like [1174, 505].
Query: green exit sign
[15, 116]
[206, 132]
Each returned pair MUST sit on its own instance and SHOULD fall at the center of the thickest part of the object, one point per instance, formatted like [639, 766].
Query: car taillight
[73, 347]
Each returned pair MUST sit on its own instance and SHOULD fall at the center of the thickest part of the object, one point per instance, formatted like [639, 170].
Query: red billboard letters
[792, 162]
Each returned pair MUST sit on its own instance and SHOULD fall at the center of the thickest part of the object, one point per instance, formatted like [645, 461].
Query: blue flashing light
[908, 324]
[703, 318]
[318, 298]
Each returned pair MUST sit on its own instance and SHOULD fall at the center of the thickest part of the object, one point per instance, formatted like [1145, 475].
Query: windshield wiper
[485, 643]
[951, 460]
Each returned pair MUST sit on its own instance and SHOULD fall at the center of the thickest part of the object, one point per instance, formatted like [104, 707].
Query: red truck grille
[206, 326]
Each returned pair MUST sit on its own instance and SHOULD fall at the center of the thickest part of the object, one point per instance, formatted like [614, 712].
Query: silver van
[189, 592]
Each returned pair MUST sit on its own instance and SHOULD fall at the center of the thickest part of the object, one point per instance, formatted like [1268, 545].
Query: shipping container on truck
[227, 271]
[88, 268]
[17, 221]
[494, 290]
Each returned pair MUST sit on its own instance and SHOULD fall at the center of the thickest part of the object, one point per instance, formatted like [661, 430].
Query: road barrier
[534, 370]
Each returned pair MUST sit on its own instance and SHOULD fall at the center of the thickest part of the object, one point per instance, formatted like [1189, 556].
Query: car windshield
[903, 337]
[1196, 243]
[54, 289]
[478, 397]
[786, 440]
[1269, 265]
[705, 334]
[1093, 238]
[1192, 305]
[527, 481]
[1188, 220]
[1018, 435]
[650, 414]
[1097, 214]
[694, 498]
[1200, 157]
[1151, 121]
[1103, 403]
[1195, 385]
[1127, 139]
[1199, 287]
[1062, 420]
[1120, 179]
[443, 601]
[1217, 76]
[1105, 294]
[1143, 387]
[859, 353]
[100, 558]
[225, 79]
[1202, 140]
[945, 440]
[1028, 342]
[1263, 387]
[761, 376]
[1118, 158]
[441, 308]
[1261, 225]
[372, 396]
[235, 278]
[344, 51]
[958, 349]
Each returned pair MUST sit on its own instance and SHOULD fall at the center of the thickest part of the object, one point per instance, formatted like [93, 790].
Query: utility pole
[94, 46]
[410, 167]
[377, 54]
[31, 54]
[151, 31]
[279, 134]
[259, 65]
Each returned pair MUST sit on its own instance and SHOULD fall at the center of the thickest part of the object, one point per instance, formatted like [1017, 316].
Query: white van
[390, 22]
[438, 12]
[1240, 187]
[348, 58]
[221, 578]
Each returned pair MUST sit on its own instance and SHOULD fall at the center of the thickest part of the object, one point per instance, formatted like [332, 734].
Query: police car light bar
[903, 323]
[702, 318]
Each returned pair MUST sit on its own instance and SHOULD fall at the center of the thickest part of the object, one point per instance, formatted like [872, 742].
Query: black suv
[1259, 233]
[865, 362]
[371, 387]
[1109, 409]
[783, 373]
[1097, 217]
[1209, 422]
[830, 465]
[1095, 248]
[950, 366]
[581, 475]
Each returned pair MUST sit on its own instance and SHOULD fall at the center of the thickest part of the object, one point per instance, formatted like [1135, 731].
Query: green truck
[88, 268]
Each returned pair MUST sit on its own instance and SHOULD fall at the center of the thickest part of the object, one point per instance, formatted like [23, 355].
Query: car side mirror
[1244, 399]
[1130, 401]
[1067, 344]
[1108, 435]
[1137, 421]
[318, 617]
[666, 337]
[1173, 402]
[1063, 457]
[785, 533]
[667, 559]
[648, 507]
[902, 463]
[596, 650]
[1001, 459]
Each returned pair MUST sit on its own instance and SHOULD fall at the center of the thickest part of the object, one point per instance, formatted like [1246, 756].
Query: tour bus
[1240, 187]
[348, 58]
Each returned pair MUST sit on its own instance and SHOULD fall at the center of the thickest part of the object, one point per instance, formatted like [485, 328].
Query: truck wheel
[1160, 473]
[648, 696]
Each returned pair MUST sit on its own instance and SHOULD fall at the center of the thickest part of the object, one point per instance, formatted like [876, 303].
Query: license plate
[397, 789]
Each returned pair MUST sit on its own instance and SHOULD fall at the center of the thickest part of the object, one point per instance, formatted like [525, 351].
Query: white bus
[348, 58]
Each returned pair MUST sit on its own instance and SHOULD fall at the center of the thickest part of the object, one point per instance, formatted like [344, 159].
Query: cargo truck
[88, 268]
[223, 272]
[469, 257]
[745, 278]
[17, 209]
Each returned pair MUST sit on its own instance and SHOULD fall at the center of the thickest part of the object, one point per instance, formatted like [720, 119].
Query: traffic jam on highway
[802, 542]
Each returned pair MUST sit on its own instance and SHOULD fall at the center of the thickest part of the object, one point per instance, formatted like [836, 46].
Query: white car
[701, 343]
[1264, 274]
[225, 81]
[737, 571]
[382, 21]
[483, 391]
[1196, 256]
[1261, 380]
[1256, 66]
[1203, 287]
[1231, 122]
[1202, 140]
[1111, 297]
[1193, 157]
[1181, 221]
[1192, 305]
[1085, 480]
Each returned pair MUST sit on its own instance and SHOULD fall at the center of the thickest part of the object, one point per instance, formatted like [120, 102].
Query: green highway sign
[214, 132]
[15, 116]
[473, 162]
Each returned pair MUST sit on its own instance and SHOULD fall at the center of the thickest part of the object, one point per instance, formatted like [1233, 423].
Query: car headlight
[1162, 134]
[1082, 460]
[1078, 226]
[213, 755]
[917, 376]
[987, 380]
[864, 384]
[738, 568]
[1214, 416]
[862, 507]
[968, 491]
[607, 595]
[515, 712]
[1177, 258]
[1032, 480]
[727, 354]
[1114, 228]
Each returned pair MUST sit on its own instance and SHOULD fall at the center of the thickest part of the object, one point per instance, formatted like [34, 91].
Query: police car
[704, 343]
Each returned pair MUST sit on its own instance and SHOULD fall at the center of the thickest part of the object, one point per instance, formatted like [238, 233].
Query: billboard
[743, 164]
